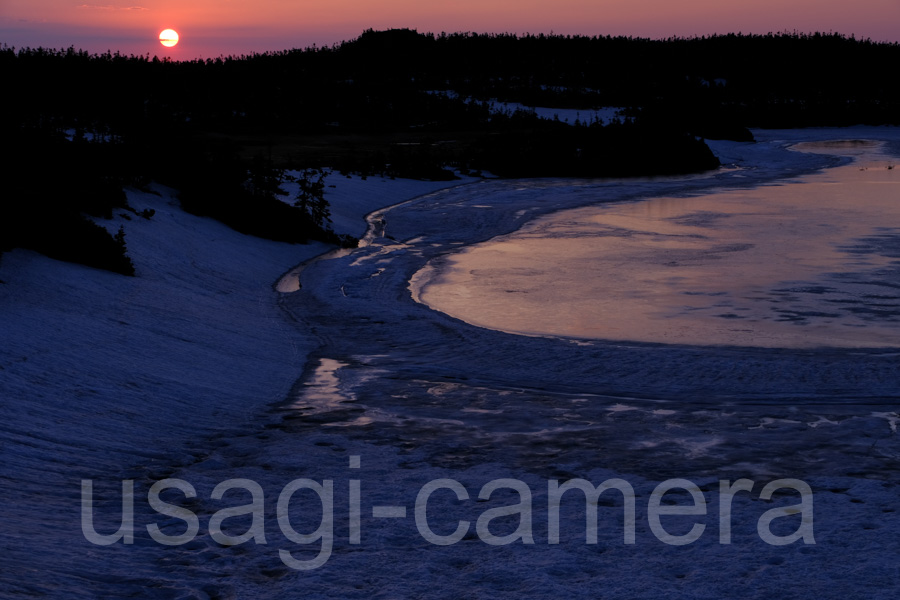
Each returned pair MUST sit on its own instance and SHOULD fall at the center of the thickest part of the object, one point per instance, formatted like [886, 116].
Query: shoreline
[477, 300]
[379, 295]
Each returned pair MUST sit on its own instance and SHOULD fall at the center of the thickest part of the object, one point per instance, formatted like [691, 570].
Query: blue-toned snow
[198, 369]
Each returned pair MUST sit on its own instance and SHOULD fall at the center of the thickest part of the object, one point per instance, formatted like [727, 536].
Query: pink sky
[214, 27]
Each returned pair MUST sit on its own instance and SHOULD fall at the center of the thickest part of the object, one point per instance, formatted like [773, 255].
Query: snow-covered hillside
[110, 377]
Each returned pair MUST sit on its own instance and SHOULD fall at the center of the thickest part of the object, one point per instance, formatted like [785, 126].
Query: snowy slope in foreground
[109, 377]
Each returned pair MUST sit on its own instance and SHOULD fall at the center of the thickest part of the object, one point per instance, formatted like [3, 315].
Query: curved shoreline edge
[531, 273]
[375, 281]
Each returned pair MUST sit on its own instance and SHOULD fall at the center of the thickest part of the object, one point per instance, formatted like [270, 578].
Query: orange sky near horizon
[214, 27]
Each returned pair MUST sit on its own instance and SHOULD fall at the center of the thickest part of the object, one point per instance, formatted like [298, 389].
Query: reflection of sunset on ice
[664, 270]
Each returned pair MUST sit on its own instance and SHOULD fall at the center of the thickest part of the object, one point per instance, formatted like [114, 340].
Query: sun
[168, 37]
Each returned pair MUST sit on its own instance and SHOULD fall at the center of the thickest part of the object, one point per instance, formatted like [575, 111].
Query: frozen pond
[420, 394]
[808, 262]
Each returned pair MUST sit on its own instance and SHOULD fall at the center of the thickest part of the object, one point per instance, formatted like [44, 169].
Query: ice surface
[809, 262]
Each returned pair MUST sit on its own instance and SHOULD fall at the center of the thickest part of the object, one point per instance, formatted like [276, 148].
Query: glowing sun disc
[168, 37]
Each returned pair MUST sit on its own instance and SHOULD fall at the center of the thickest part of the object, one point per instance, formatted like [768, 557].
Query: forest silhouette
[79, 128]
